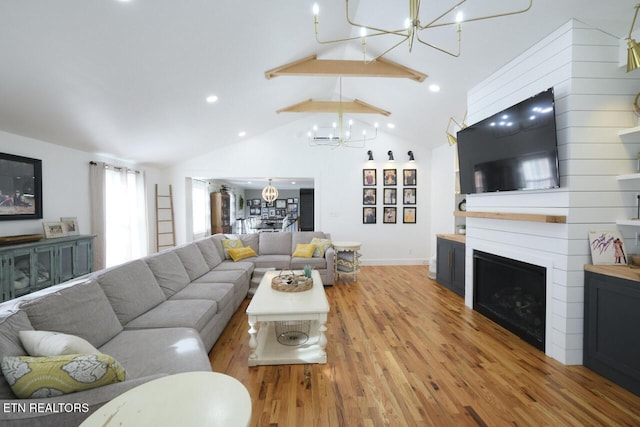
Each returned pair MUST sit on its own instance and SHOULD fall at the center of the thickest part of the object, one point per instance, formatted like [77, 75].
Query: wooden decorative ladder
[165, 227]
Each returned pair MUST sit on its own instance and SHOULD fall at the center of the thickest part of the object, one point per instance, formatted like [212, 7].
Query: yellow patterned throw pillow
[304, 251]
[38, 377]
[321, 246]
[237, 254]
[230, 244]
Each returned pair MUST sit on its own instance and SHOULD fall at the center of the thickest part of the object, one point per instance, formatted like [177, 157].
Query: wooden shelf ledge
[510, 216]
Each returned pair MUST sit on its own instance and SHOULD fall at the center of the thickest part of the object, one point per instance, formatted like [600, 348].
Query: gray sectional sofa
[156, 316]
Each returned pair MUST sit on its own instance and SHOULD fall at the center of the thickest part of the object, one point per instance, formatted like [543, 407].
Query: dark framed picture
[368, 215]
[390, 215]
[390, 196]
[369, 177]
[409, 196]
[409, 177]
[390, 176]
[292, 208]
[281, 204]
[255, 203]
[409, 215]
[20, 187]
[369, 196]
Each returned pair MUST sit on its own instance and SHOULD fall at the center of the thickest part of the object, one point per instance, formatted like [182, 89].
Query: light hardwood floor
[404, 351]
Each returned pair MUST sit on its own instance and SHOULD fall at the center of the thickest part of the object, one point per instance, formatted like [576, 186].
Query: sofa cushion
[280, 262]
[275, 243]
[321, 246]
[169, 272]
[193, 261]
[11, 323]
[252, 240]
[236, 277]
[176, 314]
[81, 309]
[300, 263]
[304, 250]
[229, 244]
[209, 252]
[221, 293]
[49, 344]
[170, 350]
[39, 377]
[238, 254]
[132, 289]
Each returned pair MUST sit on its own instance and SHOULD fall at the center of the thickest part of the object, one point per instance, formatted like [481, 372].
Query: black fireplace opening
[512, 293]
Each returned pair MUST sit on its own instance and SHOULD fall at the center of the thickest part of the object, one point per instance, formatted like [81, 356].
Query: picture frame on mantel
[607, 248]
[20, 187]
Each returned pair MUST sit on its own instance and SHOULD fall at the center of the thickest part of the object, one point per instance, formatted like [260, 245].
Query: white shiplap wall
[593, 102]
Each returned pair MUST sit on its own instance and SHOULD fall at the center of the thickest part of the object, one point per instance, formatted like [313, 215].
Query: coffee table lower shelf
[269, 351]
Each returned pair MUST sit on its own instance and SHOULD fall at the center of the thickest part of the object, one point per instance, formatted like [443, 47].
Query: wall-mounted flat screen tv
[515, 149]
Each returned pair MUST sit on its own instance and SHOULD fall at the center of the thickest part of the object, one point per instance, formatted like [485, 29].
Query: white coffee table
[268, 307]
[195, 399]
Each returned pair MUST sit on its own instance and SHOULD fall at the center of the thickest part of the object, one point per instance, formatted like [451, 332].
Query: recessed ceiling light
[391, 126]
[434, 88]
[242, 133]
[212, 98]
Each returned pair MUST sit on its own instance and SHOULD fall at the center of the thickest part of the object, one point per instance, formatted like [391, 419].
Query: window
[126, 214]
[201, 211]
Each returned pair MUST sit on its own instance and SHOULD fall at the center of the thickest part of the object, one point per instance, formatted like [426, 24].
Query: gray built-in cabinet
[28, 267]
[611, 319]
[450, 267]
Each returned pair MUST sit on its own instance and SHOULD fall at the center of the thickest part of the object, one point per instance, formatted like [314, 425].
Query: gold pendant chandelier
[270, 193]
[412, 27]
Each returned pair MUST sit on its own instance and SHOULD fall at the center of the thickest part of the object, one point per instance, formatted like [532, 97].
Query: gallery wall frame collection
[390, 196]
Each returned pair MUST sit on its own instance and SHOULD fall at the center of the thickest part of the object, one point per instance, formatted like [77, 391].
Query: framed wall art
[390, 176]
[369, 177]
[20, 187]
[409, 177]
[409, 196]
[389, 215]
[409, 215]
[369, 196]
[390, 196]
[368, 215]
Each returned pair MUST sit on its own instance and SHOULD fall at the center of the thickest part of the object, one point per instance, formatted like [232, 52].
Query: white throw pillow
[48, 344]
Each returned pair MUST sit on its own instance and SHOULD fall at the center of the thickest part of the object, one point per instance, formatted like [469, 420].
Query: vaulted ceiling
[130, 79]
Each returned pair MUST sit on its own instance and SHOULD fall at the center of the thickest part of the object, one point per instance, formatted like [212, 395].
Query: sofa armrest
[69, 409]
[330, 257]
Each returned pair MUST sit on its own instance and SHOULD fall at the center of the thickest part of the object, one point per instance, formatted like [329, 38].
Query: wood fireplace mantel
[512, 216]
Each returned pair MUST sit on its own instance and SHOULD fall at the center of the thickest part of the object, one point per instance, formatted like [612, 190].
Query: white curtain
[122, 218]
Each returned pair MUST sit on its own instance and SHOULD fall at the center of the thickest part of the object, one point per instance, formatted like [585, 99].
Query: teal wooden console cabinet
[27, 267]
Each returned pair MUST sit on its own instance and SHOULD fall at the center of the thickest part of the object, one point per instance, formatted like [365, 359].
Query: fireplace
[511, 293]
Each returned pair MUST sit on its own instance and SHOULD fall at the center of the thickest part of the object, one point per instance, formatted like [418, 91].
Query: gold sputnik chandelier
[413, 27]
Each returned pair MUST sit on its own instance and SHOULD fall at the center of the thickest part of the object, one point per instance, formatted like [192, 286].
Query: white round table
[207, 399]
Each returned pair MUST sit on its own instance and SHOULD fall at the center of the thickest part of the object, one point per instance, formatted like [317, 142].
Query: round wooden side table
[195, 399]
[349, 252]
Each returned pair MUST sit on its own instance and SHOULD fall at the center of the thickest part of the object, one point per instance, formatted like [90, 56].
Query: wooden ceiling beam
[312, 66]
[350, 107]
